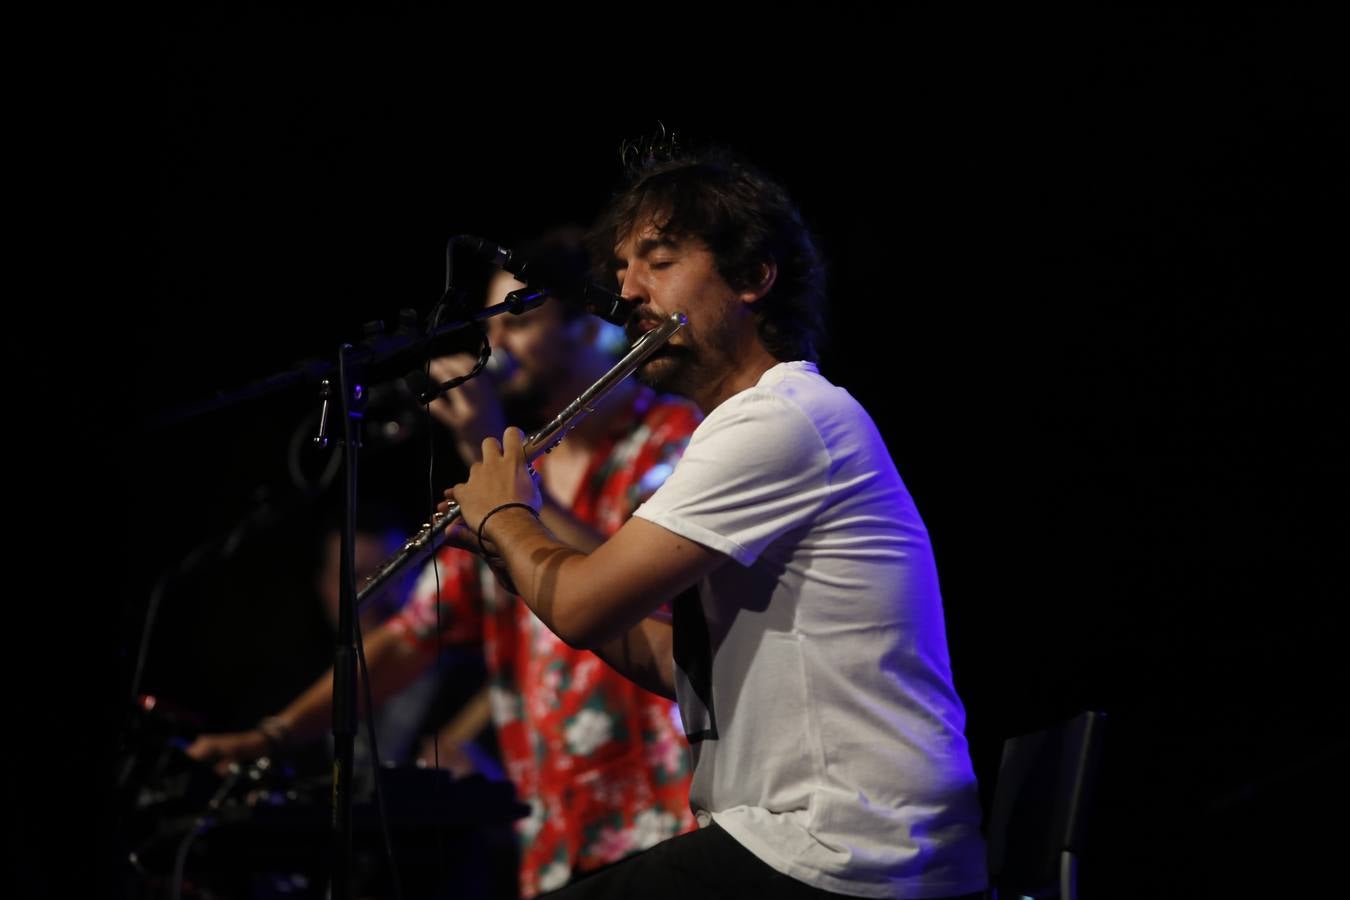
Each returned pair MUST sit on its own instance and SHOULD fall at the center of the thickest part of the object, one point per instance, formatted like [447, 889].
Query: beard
[670, 371]
[699, 359]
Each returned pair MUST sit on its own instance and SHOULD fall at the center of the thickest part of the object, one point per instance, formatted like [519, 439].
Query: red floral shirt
[602, 763]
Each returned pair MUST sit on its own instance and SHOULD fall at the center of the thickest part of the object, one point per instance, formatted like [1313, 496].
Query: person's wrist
[276, 733]
[498, 510]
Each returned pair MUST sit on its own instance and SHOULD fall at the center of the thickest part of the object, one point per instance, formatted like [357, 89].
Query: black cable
[200, 826]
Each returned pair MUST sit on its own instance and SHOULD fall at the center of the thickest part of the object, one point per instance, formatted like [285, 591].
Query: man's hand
[453, 757]
[501, 476]
[472, 410]
[222, 749]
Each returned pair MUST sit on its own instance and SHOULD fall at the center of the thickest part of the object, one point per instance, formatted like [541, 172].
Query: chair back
[1043, 797]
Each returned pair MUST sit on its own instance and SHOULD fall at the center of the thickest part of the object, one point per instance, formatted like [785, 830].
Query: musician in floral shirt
[602, 763]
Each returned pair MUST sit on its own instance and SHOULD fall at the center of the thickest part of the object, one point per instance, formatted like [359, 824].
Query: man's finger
[513, 442]
[443, 368]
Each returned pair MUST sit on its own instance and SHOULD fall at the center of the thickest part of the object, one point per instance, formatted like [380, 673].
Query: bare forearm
[557, 582]
[469, 722]
[393, 665]
[566, 528]
[643, 656]
[540, 566]
[587, 600]
[591, 599]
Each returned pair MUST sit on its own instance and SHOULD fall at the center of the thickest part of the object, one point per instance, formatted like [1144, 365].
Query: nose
[635, 289]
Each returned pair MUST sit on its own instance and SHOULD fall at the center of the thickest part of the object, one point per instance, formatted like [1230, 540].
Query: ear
[763, 283]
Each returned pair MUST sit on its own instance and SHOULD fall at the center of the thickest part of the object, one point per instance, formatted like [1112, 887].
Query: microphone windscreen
[500, 365]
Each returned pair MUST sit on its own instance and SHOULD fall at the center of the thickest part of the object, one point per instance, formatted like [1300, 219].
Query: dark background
[1087, 273]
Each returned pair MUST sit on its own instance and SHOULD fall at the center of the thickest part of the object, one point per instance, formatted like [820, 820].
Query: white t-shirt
[813, 675]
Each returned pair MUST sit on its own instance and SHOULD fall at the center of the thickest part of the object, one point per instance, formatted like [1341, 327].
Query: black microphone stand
[351, 398]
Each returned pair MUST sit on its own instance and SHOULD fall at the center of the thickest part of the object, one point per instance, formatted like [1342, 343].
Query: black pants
[705, 864]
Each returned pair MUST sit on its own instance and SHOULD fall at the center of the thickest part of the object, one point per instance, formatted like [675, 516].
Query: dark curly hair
[746, 220]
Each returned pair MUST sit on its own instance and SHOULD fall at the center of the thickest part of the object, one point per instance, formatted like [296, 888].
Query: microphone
[501, 365]
[550, 278]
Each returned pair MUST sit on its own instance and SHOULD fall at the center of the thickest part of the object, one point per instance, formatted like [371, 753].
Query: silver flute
[431, 536]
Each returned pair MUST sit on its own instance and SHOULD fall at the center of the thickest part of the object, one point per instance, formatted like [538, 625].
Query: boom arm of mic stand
[380, 355]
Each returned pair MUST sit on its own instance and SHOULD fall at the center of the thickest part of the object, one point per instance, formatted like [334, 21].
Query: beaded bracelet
[497, 509]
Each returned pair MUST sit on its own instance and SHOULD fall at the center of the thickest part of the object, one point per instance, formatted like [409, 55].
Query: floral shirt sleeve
[602, 763]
